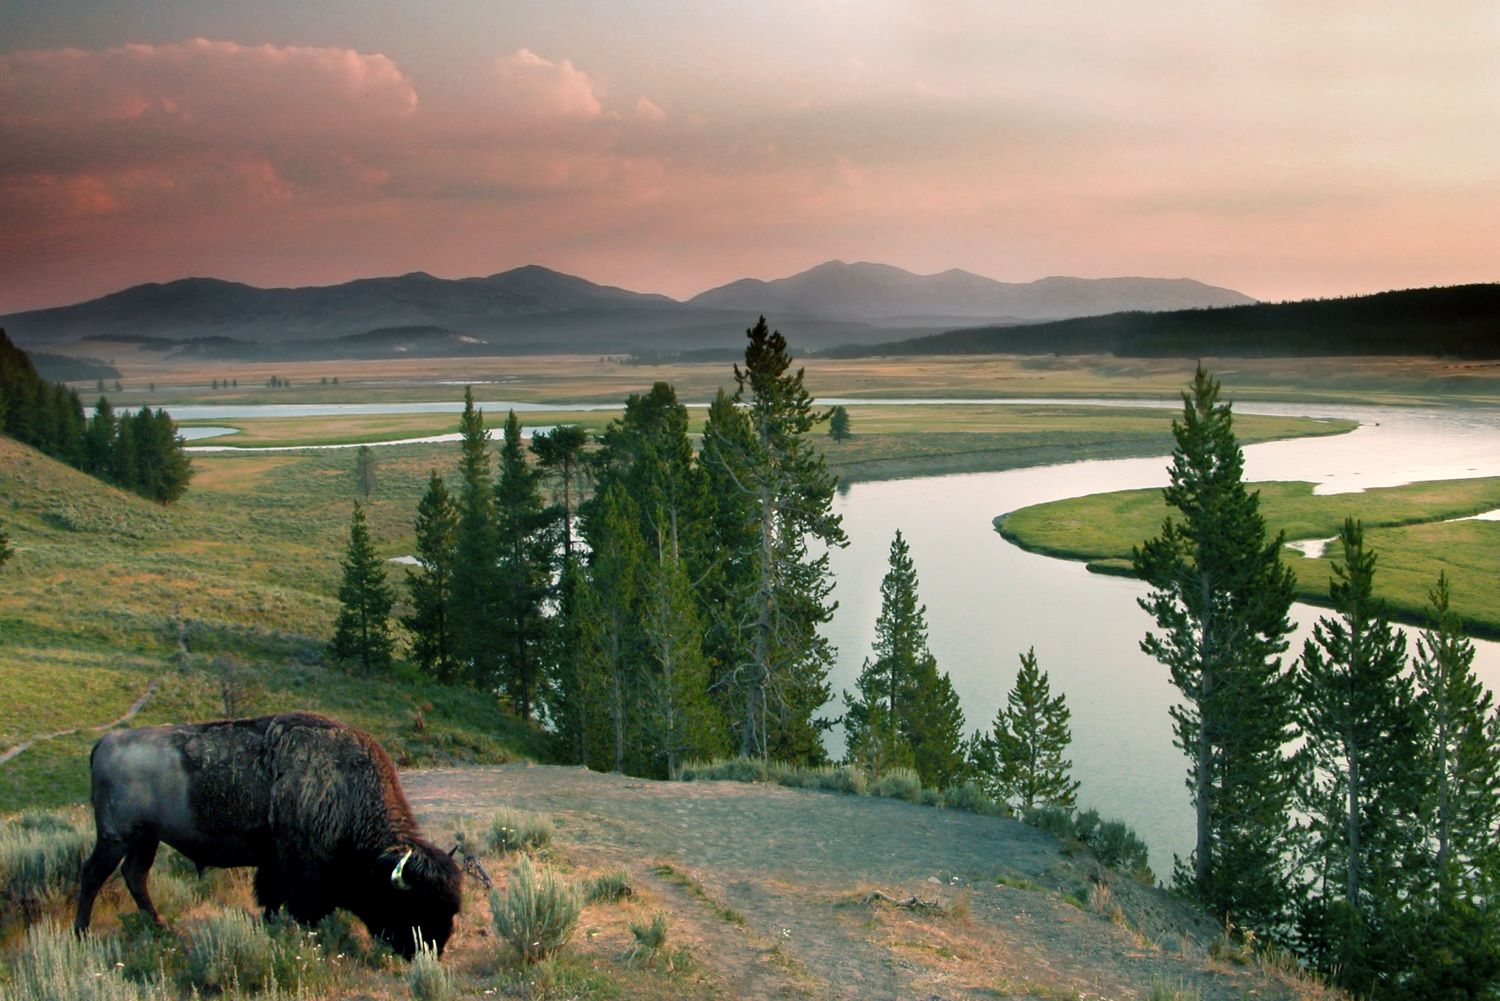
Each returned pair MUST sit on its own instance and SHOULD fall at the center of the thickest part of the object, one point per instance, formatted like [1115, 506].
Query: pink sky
[1283, 149]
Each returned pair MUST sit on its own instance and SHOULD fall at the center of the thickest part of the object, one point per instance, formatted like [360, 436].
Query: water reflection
[988, 601]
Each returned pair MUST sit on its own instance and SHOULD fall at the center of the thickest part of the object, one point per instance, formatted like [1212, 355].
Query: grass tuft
[610, 887]
[517, 830]
[426, 977]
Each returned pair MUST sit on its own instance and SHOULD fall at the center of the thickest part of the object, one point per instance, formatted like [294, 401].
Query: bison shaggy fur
[314, 805]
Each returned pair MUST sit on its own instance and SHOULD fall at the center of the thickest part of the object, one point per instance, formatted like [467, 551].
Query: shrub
[971, 796]
[148, 952]
[611, 887]
[650, 937]
[898, 783]
[54, 965]
[536, 914]
[729, 769]
[513, 830]
[1053, 819]
[40, 856]
[227, 951]
[1118, 847]
[427, 978]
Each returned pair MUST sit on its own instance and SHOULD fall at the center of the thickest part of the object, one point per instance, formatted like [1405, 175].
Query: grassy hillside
[108, 593]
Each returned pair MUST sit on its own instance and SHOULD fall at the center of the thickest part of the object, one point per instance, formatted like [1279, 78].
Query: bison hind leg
[100, 865]
[138, 861]
[268, 890]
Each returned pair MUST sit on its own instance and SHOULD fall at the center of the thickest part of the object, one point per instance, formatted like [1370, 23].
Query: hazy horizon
[1282, 151]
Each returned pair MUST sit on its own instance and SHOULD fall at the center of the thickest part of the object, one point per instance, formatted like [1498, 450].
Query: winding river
[988, 601]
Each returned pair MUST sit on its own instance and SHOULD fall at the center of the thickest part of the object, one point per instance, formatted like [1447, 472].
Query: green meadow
[1414, 529]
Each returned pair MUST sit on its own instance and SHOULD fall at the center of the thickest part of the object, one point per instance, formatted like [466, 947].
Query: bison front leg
[268, 892]
[138, 862]
[100, 865]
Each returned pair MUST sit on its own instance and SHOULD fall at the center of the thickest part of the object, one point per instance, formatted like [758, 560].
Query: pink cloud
[531, 87]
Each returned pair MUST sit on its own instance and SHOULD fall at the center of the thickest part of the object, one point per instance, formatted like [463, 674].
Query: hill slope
[533, 309]
[881, 293]
[224, 600]
[1460, 321]
[765, 887]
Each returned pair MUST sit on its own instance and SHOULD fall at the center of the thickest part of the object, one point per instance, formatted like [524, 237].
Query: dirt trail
[137, 706]
[795, 866]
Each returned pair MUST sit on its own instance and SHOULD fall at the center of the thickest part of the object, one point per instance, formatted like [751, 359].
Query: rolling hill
[1459, 321]
[535, 310]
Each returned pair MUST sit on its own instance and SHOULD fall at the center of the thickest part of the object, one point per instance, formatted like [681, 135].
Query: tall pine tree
[1219, 597]
[1360, 722]
[362, 631]
[475, 572]
[905, 712]
[431, 584]
[1454, 926]
[524, 548]
[1022, 759]
[782, 677]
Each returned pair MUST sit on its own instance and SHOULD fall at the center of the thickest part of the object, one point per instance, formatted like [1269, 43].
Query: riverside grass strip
[1414, 529]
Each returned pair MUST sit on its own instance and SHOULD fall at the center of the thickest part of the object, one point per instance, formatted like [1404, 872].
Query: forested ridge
[1461, 321]
[139, 452]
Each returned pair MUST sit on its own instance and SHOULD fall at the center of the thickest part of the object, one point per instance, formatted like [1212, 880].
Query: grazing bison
[313, 804]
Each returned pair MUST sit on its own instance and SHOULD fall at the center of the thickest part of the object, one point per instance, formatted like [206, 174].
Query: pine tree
[523, 573]
[99, 440]
[1453, 935]
[722, 566]
[431, 585]
[838, 424]
[362, 631]
[1220, 596]
[162, 468]
[364, 471]
[610, 611]
[783, 675]
[1361, 728]
[475, 573]
[681, 721]
[1021, 760]
[6, 552]
[561, 452]
[905, 712]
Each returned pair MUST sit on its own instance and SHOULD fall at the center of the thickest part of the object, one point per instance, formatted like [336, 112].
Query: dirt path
[130, 713]
[768, 884]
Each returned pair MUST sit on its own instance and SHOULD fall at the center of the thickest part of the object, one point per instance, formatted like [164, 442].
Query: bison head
[420, 889]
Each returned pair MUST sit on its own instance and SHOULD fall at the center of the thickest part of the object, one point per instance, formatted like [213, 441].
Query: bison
[314, 805]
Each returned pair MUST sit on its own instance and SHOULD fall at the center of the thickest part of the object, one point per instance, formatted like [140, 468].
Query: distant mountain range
[1460, 321]
[534, 309]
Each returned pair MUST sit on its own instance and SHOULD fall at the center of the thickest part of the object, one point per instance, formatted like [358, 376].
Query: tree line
[1431, 322]
[1347, 803]
[139, 452]
[665, 604]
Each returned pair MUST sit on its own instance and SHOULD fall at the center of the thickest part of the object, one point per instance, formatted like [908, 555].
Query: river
[988, 601]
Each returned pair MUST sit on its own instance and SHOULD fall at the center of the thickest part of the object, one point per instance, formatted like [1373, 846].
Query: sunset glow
[1284, 150]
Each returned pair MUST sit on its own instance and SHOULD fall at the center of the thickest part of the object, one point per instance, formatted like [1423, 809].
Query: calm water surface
[988, 601]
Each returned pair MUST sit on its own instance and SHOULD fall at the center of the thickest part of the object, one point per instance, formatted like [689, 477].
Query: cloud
[202, 86]
[531, 88]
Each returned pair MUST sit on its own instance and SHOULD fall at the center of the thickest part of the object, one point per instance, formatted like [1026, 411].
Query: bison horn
[396, 879]
[455, 850]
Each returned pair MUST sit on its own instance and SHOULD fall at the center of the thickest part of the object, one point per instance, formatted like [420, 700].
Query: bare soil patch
[767, 888]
